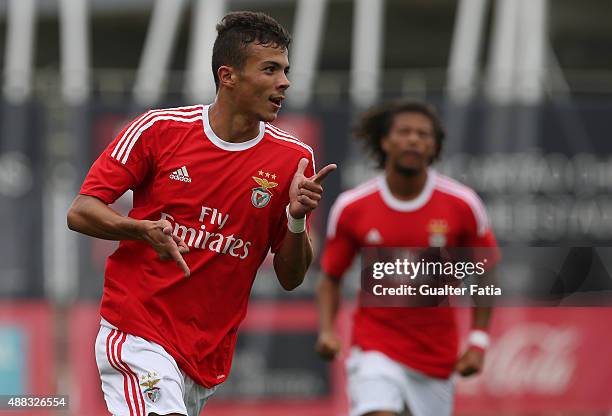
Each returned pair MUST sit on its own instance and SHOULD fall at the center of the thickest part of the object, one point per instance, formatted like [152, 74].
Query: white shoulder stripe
[129, 131]
[287, 139]
[471, 199]
[152, 121]
[281, 132]
[468, 192]
[344, 200]
[138, 122]
[126, 139]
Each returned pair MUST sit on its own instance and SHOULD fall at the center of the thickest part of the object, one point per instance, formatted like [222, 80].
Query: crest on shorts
[151, 393]
[260, 196]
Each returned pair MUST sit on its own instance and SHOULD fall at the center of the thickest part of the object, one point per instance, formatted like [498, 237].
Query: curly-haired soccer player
[402, 357]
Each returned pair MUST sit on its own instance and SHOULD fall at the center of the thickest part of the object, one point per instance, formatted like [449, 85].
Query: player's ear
[384, 144]
[227, 76]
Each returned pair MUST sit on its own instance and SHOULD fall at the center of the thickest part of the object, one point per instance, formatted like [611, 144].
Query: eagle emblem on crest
[152, 393]
[260, 196]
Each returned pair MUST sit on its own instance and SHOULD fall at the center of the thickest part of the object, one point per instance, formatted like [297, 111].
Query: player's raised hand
[305, 193]
[167, 246]
[471, 362]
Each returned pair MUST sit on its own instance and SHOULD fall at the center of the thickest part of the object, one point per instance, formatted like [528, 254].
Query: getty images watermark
[485, 276]
[407, 269]
[427, 277]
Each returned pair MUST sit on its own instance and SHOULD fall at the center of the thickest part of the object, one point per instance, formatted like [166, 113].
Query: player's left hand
[305, 193]
[470, 363]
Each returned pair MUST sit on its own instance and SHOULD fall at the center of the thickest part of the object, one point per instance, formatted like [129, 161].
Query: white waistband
[107, 324]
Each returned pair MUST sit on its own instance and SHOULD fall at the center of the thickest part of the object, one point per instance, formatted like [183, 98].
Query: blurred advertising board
[542, 361]
[27, 353]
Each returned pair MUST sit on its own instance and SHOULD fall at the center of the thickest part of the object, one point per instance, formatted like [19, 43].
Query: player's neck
[406, 187]
[230, 125]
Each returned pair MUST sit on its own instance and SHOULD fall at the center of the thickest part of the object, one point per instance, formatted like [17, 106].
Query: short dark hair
[237, 30]
[375, 123]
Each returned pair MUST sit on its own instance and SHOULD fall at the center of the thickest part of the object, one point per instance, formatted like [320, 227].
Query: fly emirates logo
[213, 241]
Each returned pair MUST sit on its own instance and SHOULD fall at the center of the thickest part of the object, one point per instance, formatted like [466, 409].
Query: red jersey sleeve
[479, 233]
[340, 245]
[280, 229]
[123, 165]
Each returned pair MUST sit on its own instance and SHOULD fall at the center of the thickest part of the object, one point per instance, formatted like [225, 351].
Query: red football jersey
[446, 213]
[226, 200]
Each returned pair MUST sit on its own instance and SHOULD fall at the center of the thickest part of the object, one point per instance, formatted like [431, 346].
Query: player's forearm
[328, 301]
[293, 259]
[481, 317]
[481, 313]
[91, 216]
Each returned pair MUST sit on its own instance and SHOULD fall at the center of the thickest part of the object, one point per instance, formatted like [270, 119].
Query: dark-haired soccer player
[215, 188]
[402, 357]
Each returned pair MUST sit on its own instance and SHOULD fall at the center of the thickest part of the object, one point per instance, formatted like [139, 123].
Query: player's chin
[268, 116]
[409, 169]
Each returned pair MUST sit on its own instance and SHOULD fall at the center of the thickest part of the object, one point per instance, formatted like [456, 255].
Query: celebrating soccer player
[215, 188]
[402, 357]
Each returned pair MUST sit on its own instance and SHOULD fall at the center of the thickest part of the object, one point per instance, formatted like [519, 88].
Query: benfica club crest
[437, 233]
[260, 197]
[152, 393]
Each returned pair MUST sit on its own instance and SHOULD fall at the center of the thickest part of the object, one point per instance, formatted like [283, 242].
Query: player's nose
[412, 139]
[284, 82]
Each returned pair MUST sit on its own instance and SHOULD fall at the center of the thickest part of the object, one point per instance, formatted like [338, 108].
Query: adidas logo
[373, 237]
[180, 175]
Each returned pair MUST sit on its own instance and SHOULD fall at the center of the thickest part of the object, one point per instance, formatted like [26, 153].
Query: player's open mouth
[277, 101]
[411, 155]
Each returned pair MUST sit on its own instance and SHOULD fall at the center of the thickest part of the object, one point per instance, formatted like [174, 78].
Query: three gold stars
[267, 174]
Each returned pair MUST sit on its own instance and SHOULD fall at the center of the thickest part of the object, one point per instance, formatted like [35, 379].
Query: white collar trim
[222, 144]
[413, 204]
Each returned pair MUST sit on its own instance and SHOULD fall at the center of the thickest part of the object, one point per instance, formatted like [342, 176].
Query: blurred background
[524, 88]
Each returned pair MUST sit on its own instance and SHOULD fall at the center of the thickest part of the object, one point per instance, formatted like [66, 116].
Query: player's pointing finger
[322, 174]
[302, 166]
[176, 255]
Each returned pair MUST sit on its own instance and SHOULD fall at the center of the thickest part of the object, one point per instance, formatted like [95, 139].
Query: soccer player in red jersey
[402, 358]
[215, 188]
